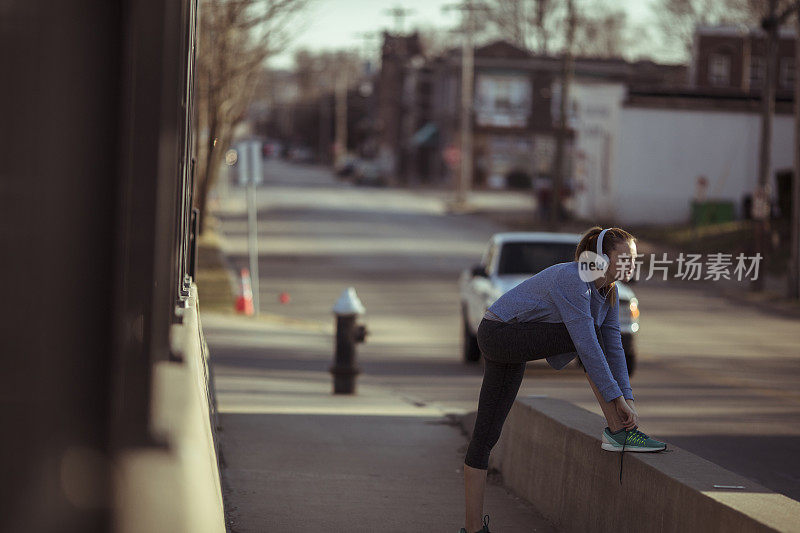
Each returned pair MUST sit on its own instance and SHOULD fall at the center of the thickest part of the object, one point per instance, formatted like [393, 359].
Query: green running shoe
[636, 441]
[484, 529]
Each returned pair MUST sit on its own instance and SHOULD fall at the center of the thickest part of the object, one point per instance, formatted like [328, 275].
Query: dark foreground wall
[95, 220]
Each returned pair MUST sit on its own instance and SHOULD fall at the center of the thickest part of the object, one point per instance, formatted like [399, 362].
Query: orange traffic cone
[244, 302]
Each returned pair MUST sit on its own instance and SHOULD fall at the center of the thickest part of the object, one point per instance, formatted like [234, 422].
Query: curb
[549, 454]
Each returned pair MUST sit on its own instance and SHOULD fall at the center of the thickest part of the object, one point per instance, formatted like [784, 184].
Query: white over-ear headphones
[603, 260]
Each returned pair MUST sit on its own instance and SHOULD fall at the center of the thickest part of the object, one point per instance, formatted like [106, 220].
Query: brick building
[733, 58]
[515, 111]
[397, 53]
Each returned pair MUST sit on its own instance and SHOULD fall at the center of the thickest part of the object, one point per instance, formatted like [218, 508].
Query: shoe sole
[613, 448]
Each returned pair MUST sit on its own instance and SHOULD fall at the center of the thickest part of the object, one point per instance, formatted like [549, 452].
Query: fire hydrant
[347, 310]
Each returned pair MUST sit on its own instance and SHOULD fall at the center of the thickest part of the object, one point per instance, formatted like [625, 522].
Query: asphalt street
[715, 378]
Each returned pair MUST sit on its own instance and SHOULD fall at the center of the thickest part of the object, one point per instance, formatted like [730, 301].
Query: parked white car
[511, 258]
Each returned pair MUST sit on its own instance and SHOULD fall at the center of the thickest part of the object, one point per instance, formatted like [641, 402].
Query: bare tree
[529, 24]
[602, 34]
[542, 26]
[435, 40]
[758, 9]
[236, 37]
[677, 19]
[309, 110]
[317, 72]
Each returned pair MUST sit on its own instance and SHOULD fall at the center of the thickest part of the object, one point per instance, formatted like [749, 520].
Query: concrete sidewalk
[298, 458]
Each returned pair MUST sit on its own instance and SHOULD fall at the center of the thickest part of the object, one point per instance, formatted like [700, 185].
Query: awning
[425, 135]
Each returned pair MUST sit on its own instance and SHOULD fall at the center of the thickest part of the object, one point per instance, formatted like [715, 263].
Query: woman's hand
[633, 408]
[626, 412]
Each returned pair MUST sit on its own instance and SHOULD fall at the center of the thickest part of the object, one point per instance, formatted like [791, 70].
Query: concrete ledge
[175, 487]
[549, 453]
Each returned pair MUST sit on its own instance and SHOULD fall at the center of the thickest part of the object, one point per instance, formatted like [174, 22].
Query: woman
[565, 310]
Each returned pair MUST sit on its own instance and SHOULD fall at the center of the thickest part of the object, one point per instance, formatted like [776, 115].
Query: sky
[337, 24]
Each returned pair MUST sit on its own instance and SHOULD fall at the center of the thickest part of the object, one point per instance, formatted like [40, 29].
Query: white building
[638, 156]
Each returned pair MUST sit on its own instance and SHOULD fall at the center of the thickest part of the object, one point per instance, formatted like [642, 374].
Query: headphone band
[600, 242]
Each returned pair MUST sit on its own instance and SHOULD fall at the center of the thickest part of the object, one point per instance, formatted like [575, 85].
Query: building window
[503, 100]
[719, 70]
[787, 73]
[758, 71]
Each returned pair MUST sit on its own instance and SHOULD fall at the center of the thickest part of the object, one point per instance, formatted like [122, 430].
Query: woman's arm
[615, 353]
[570, 298]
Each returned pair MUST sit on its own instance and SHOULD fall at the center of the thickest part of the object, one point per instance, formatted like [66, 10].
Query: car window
[532, 257]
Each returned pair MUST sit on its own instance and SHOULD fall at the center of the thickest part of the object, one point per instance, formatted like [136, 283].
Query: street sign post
[251, 173]
[250, 163]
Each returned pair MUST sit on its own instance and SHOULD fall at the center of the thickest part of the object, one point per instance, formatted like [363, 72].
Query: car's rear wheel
[470, 349]
[630, 353]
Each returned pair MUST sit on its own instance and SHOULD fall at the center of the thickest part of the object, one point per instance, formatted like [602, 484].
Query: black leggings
[506, 347]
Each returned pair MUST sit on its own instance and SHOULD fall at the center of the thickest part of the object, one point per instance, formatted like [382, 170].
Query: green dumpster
[711, 212]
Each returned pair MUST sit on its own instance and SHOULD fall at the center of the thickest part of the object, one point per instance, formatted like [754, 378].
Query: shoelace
[620, 456]
[638, 436]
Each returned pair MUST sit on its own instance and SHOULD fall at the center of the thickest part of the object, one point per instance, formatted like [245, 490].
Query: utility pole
[367, 88]
[771, 25]
[793, 290]
[341, 115]
[468, 9]
[467, 83]
[761, 196]
[566, 81]
[324, 125]
[367, 49]
[399, 14]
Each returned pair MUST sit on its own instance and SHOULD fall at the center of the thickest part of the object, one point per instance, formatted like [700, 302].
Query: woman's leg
[505, 348]
[474, 487]
[501, 382]
[519, 342]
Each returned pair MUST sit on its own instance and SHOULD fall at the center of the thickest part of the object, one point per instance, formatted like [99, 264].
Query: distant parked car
[301, 154]
[368, 172]
[347, 166]
[272, 149]
[511, 258]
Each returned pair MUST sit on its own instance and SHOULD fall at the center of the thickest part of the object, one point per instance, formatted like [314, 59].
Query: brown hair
[611, 239]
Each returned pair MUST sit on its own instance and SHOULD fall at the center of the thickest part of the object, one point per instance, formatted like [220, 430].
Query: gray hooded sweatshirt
[558, 294]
